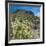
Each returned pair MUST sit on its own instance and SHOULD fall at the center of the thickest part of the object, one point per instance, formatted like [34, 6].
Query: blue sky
[34, 9]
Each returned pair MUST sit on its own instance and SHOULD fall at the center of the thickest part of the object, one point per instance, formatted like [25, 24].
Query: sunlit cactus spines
[24, 25]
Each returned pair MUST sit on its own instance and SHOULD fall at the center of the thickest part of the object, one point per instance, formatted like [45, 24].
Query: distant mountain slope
[25, 12]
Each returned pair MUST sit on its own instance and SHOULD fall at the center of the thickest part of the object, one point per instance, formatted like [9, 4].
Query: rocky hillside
[24, 25]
